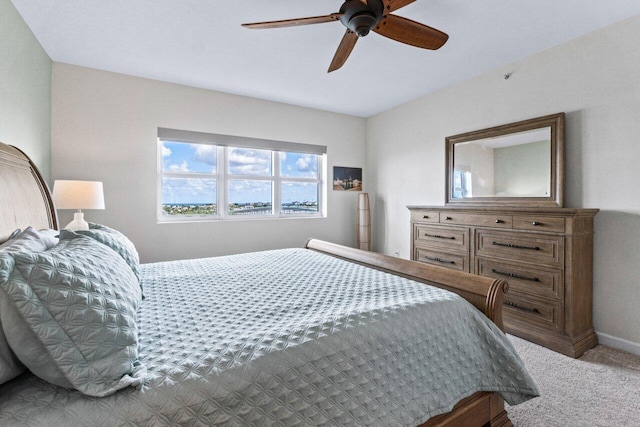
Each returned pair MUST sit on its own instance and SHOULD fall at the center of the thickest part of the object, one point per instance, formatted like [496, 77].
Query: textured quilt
[289, 337]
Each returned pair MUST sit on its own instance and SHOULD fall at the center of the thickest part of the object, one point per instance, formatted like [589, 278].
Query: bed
[319, 335]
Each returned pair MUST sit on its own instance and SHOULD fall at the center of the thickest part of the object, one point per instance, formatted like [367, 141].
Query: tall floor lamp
[363, 222]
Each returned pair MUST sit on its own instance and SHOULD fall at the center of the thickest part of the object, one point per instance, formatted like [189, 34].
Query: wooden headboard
[24, 196]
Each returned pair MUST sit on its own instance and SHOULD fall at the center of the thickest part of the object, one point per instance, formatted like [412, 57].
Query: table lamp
[78, 195]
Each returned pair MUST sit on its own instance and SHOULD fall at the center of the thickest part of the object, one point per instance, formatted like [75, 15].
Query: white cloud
[250, 162]
[166, 152]
[246, 191]
[205, 153]
[303, 163]
[192, 190]
[307, 164]
[183, 167]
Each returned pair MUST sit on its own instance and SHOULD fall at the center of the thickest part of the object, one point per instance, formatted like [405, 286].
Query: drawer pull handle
[437, 236]
[499, 221]
[425, 216]
[448, 218]
[444, 261]
[533, 310]
[535, 223]
[515, 276]
[511, 245]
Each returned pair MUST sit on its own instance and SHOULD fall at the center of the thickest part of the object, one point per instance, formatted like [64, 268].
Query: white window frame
[224, 143]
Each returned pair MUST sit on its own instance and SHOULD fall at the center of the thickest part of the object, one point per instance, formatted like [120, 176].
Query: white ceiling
[201, 43]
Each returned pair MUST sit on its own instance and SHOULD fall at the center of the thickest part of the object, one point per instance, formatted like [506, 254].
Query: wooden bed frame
[25, 200]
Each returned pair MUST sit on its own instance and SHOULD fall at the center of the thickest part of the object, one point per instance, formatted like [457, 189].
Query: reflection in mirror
[513, 165]
[517, 164]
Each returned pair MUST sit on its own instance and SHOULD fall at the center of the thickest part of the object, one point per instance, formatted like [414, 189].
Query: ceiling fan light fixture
[362, 23]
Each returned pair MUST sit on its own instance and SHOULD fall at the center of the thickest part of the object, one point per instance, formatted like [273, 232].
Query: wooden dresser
[545, 254]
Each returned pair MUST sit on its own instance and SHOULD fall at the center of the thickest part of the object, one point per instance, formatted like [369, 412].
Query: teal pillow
[29, 240]
[112, 238]
[74, 314]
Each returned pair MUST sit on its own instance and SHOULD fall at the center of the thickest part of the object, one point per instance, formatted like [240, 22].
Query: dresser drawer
[539, 223]
[532, 311]
[442, 259]
[522, 247]
[525, 279]
[451, 238]
[478, 220]
[425, 216]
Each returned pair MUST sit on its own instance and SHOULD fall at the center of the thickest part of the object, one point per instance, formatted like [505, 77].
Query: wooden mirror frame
[556, 196]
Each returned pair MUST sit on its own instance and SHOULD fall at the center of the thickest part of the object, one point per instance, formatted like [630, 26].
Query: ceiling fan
[362, 16]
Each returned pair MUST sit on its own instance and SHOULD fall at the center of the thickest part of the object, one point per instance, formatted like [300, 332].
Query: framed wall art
[347, 179]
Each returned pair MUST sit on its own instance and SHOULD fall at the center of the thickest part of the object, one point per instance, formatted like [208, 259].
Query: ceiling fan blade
[344, 50]
[411, 32]
[294, 22]
[396, 4]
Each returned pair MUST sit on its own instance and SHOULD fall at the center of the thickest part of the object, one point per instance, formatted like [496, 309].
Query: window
[207, 176]
[462, 184]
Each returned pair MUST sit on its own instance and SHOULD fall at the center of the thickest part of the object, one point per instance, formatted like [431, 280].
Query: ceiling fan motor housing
[359, 17]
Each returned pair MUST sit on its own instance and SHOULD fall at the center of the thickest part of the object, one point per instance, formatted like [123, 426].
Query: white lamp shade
[78, 194]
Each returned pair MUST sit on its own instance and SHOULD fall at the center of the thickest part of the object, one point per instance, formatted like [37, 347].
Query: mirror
[518, 164]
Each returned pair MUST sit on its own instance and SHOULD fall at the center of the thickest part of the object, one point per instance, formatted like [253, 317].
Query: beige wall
[523, 170]
[25, 89]
[105, 128]
[595, 80]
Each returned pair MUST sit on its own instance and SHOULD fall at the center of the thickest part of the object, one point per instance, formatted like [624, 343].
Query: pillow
[28, 240]
[14, 234]
[72, 312]
[114, 239]
[10, 366]
[54, 234]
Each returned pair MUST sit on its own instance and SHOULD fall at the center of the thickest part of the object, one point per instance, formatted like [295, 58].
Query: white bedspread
[289, 337]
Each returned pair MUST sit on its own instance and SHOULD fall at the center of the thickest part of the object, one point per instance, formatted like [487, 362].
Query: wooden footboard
[479, 409]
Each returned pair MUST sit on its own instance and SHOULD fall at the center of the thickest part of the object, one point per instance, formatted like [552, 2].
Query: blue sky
[181, 157]
[201, 158]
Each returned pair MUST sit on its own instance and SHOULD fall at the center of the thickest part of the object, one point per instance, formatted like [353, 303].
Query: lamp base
[78, 222]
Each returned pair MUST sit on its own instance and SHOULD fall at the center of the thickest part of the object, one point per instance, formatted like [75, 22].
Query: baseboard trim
[619, 343]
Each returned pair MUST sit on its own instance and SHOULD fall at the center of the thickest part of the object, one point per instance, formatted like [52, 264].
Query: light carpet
[602, 388]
